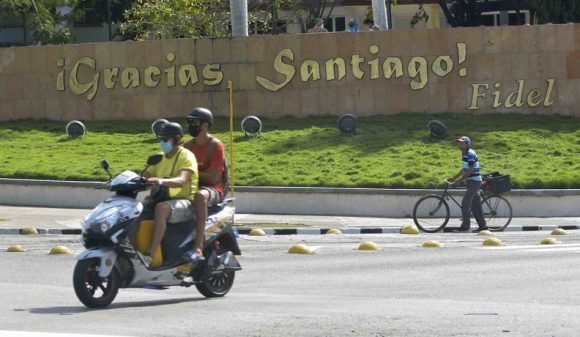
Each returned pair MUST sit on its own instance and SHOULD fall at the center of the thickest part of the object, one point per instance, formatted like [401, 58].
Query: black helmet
[170, 129]
[201, 113]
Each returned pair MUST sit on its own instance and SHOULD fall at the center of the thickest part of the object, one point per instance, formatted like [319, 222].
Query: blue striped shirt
[469, 159]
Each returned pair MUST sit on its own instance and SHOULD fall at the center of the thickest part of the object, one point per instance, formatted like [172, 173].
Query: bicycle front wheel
[497, 212]
[431, 213]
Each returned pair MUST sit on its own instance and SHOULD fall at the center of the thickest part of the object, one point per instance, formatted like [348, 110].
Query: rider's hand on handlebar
[450, 182]
[153, 181]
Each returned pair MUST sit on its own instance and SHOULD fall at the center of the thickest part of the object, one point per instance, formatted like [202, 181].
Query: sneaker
[460, 230]
[148, 259]
[191, 257]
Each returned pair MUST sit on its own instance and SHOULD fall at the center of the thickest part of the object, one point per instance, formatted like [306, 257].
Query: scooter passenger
[177, 174]
[210, 155]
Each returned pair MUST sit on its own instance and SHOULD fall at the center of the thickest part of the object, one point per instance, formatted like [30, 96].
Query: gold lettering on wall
[514, 98]
[332, 65]
[310, 70]
[355, 61]
[287, 70]
[84, 77]
[148, 76]
[110, 77]
[212, 74]
[393, 65]
[170, 72]
[510, 102]
[534, 97]
[187, 74]
[418, 68]
[60, 76]
[130, 77]
[442, 66]
[374, 64]
[81, 88]
[153, 76]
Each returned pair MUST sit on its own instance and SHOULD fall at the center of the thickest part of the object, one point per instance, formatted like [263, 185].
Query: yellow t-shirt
[183, 160]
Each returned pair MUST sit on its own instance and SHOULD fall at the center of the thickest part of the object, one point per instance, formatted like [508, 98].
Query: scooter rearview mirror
[154, 159]
[105, 166]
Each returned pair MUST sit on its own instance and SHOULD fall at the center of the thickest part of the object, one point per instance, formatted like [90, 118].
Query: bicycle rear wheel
[431, 213]
[497, 212]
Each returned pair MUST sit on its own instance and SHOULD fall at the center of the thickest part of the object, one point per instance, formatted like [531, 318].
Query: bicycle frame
[447, 195]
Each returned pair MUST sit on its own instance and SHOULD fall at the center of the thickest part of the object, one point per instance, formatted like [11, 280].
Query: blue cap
[464, 139]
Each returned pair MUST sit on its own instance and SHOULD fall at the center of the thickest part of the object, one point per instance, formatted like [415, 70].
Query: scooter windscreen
[127, 181]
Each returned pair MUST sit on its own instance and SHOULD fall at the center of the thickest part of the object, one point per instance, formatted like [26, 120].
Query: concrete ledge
[367, 202]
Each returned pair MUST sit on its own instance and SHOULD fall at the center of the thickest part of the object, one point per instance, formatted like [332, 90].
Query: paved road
[461, 289]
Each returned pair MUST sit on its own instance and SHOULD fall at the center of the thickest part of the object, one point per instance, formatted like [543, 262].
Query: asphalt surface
[522, 288]
[67, 221]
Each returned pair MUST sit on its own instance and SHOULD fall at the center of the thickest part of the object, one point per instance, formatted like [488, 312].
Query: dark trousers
[471, 203]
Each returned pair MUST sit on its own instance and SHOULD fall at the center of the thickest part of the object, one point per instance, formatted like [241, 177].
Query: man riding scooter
[177, 176]
[210, 154]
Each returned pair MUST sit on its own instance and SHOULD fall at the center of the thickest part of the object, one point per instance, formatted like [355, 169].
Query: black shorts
[214, 195]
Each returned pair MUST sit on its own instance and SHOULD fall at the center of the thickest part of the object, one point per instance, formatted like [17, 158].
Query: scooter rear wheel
[216, 285]
[92, 290]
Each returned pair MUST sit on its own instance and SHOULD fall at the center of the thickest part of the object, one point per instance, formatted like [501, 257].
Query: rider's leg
[201, 200]
[470, 193]
[478, 211]
[162, 214]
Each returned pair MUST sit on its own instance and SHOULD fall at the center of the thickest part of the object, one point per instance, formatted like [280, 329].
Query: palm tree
[239, 12]
[380, 14]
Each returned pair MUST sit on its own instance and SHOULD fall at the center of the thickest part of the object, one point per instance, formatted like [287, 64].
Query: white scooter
[114, 235]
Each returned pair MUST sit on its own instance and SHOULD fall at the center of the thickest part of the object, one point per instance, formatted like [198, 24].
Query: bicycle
[431, 212]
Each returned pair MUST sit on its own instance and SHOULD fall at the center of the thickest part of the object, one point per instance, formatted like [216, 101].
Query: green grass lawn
[388, 151]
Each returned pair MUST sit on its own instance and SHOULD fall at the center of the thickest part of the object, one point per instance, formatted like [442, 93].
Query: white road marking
[536, 248]
[46, 334]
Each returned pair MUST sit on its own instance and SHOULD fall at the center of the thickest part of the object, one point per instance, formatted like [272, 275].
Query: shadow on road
[82, 309]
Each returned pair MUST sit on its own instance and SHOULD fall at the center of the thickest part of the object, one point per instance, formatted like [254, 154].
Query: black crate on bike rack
[498, 183]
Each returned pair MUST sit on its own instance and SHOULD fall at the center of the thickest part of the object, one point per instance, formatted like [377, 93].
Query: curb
[305, 231]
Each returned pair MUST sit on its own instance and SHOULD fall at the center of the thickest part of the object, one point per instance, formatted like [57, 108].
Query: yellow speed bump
[300, 249]
[29, 230]
[409, 229]
[16, 249]
[484, 232]
[368, 246]
[492, 242]
[431, 244]
[549, 241]
[257, 232]
[559, 231]
[334, 231]
[60, 250]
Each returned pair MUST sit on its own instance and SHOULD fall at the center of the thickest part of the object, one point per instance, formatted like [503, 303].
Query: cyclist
[470, 173]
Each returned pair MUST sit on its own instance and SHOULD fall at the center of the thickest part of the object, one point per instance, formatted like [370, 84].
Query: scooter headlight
[106, 220]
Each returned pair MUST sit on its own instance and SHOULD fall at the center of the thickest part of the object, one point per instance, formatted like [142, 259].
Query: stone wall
[525, 69]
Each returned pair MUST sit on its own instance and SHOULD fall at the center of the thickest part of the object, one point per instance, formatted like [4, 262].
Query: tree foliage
[462, 13]
[156, 19]
[557, 11]
[41, 16]
[306, 11]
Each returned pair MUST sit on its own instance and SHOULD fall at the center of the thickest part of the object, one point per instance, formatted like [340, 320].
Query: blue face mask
[166, 145]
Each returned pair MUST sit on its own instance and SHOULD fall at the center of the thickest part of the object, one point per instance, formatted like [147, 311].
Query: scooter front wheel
[91, 289]
[216, 285]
